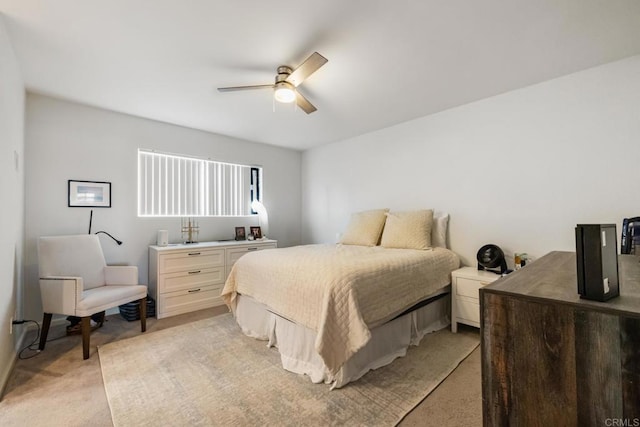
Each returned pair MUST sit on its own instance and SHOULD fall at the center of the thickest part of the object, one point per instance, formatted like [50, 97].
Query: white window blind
[171, 185]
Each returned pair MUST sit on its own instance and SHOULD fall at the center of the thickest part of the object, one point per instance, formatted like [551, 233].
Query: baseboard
[20, 344]
[4, 380]
[55, 321]
[6, 374]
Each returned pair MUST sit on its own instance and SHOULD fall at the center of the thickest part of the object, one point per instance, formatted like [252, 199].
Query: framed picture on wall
[89, 194]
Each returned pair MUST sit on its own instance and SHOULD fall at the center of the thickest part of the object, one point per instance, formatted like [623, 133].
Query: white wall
[12, 196]
[65, 141]
[519, 170]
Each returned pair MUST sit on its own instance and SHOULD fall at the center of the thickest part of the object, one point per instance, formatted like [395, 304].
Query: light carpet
[209, 373]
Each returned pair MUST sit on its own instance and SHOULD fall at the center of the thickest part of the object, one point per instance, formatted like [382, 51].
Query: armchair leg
[46, 323]
[143, 314]
[86, 331]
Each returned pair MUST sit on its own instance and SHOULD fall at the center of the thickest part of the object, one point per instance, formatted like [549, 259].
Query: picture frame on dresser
[256, 232]
[240, 233]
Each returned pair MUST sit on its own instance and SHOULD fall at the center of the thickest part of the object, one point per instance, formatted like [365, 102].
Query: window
[171, 185]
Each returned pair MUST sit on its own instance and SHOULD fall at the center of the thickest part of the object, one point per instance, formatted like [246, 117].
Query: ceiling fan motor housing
[283, 73]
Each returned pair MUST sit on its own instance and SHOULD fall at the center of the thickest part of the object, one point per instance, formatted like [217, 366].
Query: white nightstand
[465, 297]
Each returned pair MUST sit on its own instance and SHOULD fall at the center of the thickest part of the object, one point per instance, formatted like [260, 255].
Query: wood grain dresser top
[553, 278]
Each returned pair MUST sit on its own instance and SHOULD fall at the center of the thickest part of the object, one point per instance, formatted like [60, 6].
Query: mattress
[340, 292]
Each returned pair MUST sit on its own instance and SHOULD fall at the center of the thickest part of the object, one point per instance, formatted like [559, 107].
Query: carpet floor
[209, 373]
[58, 388]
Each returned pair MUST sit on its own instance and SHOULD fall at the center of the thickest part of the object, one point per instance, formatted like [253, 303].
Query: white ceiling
[389, 60]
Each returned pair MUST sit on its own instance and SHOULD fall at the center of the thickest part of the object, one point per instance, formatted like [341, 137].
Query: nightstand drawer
[468, 310]
[469, 288]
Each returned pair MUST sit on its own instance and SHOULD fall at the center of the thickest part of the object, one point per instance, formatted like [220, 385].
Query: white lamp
[263, 217]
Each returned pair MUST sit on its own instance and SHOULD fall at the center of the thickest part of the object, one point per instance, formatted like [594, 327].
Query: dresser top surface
[554, 278]
[218, 243]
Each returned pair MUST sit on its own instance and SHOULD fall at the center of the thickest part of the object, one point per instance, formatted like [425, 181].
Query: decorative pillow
[439, 229]
[408, 230]
[364, 228]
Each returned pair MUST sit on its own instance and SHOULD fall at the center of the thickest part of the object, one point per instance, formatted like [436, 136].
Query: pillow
[439, 229]
[408, 230]
[364, 228]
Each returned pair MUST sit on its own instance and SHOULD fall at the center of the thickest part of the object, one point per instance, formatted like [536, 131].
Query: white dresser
[189, 277]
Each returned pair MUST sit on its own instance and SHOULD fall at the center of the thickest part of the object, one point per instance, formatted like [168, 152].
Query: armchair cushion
[78, 256]
[99, 299]
[121, 275]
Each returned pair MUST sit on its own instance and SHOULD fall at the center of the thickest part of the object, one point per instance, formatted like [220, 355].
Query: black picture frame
[88, 194]
[240, 233]
[256, 232]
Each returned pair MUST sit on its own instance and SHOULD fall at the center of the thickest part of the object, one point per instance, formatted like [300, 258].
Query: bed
[337, 311]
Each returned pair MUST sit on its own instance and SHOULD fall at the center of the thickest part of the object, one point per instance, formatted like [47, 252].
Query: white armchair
[76, 281]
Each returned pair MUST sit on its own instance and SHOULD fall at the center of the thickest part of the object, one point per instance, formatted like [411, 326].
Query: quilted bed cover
[339, 291]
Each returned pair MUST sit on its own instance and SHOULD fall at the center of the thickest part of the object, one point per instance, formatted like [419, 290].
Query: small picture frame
[89, 194]
[256, 232]
[240, 233]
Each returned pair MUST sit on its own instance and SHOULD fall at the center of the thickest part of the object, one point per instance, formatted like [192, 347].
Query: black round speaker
[491, 256]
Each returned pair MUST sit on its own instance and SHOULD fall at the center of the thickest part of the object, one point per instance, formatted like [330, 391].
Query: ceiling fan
[287, 80]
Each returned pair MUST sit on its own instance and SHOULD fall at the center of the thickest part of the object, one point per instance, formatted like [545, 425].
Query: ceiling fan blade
[308, 67]
[235, 88]
[304, 103]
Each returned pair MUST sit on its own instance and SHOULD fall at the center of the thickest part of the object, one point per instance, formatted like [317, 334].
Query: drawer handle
[252, 249]
[194, 253]
[194, 290]
[195, 272]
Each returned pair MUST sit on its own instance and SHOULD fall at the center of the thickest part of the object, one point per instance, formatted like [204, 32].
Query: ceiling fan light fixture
[284, 92]
[286, 82]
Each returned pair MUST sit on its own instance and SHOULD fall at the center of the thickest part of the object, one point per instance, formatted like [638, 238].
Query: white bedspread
[339, 291]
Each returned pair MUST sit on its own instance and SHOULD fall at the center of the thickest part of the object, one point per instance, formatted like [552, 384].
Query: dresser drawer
[185, 301]
[191, 279]
[190, 260]
[236, 253]
[467, 310]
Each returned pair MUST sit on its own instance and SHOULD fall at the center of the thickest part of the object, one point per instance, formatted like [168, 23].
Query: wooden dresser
[551, 358]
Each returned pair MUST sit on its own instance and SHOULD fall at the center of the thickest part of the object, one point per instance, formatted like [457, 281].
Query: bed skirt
[296, 343]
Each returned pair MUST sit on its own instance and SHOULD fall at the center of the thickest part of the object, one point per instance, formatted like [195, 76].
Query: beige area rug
[209, 373]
